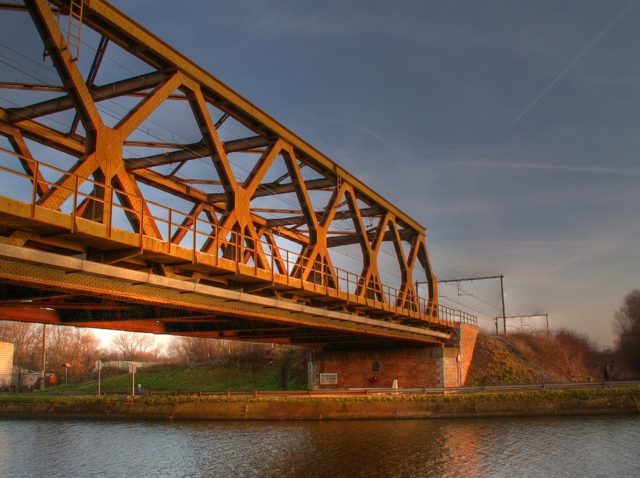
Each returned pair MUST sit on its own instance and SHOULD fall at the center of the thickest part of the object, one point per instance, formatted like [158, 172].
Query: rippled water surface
[554, 447]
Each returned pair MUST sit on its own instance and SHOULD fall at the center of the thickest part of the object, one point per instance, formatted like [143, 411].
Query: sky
[509, 129]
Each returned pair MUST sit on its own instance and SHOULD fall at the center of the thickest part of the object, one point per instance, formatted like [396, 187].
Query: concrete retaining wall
[330, 409]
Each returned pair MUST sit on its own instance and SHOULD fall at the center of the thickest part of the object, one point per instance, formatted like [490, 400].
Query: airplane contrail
[575, 60]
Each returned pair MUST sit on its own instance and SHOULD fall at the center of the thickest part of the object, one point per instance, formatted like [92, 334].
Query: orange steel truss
[89, 166]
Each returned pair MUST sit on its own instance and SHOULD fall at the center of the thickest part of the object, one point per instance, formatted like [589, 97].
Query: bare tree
[195, 349]
[627, 326]
[132, 345]
[74, 345]
[27, 340]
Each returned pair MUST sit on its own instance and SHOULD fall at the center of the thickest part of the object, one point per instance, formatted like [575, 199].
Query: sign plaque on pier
[328, 379]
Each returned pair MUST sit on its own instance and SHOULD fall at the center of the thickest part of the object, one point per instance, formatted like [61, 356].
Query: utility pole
[504, 318]
[44, 360]
[471, 279]
[547, 320]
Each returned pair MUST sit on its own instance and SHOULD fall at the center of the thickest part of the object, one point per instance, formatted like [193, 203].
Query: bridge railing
[246, 254]
[454, 315]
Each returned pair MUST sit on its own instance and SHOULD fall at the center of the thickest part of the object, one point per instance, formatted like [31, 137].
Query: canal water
[541, 447]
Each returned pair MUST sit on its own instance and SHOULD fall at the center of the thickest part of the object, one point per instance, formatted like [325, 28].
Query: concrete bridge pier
[419, 366]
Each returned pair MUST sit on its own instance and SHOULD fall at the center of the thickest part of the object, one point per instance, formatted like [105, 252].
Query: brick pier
[413, 367]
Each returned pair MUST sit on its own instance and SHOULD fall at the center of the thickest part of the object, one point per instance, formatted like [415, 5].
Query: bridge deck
[145, 302]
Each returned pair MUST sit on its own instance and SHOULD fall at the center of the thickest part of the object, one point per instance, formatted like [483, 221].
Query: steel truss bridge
[138, 192]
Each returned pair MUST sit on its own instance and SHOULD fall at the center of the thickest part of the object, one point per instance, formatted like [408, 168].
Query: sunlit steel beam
[355, 238]
[339, 215]
[271, 189]
[100, 93]
[194, 151]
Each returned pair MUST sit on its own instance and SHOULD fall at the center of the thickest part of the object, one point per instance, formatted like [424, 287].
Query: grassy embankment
[537, 358]
[190, 378]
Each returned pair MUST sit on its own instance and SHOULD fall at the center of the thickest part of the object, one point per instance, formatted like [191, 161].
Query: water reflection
[412, 448]
[603, 446]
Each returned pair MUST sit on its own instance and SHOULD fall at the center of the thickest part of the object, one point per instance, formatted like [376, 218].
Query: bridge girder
[74, 291]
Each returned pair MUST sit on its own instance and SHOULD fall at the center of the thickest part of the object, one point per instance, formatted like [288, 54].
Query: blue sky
[509, 129]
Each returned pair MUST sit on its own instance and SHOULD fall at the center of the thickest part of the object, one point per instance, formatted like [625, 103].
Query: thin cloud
[355, 127]
[553, 167]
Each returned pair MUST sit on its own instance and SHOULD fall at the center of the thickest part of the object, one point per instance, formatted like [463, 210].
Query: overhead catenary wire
[277, 197]
[493, 306]
[110, 112]
[247, 171]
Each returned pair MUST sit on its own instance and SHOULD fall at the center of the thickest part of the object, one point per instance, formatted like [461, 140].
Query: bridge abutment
[443, 365]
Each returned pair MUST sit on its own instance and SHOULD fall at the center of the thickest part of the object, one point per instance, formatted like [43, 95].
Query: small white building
[6, 364]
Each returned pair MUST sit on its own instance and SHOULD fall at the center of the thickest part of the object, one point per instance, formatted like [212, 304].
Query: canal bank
[506, 404]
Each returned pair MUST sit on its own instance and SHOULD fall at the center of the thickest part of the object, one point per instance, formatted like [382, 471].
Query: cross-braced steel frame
[202, 207]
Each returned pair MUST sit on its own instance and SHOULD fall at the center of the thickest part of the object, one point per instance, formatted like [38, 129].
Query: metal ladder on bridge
[74, 28]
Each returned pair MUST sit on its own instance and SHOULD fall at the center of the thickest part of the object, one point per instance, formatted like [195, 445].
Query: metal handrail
[323, 283]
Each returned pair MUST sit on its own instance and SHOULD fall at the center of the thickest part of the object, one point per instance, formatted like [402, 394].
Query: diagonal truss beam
[53, 40]
[26, 159]
[127, 125]
[213, 142]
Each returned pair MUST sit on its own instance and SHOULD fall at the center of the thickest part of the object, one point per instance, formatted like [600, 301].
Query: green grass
[200, 378]
[462, 398]
[38, 397]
